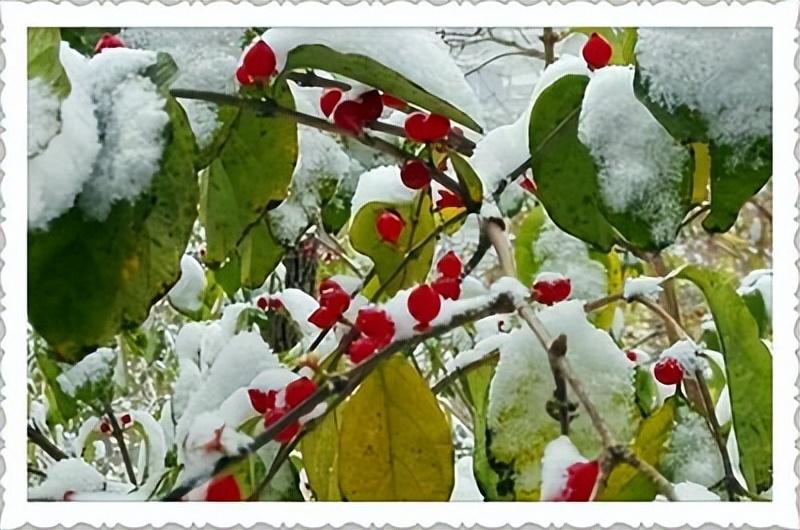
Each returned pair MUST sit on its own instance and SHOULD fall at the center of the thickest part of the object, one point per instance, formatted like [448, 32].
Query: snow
[156, 448]
[109, 101]
[640, 166]
[89, 426]
[647, 287]
[208, 440]
[68, 475]
[520, 427]
[206, 59]
[500, 152]
[689, 491]
[685, 352]
[482, 349]
[300, 305]
[491, 325]
[557, 251]
[513, 287]
[381, 184]
[723, 407]
[760, 281]
[95, 368]
[187, 293]
[692, 454]
[465, 487]
[43, 115]
[419, 55]
[723, 73]
[558, 456]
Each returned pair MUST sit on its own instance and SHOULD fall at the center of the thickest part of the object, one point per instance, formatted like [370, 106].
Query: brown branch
[310, 79]
[38, 438]
[457, 372]
[674, 330]
[669, 299]
[116, 432]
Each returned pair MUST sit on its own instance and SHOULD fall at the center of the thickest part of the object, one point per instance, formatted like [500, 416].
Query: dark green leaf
[468, 178]
[64, 403]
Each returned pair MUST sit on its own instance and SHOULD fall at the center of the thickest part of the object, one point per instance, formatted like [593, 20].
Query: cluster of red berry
[258, 65]
[274, 405]
[376, 330]
[333, 302]
[448, 284]
[125, 421]
[269, 303]
[351, 114]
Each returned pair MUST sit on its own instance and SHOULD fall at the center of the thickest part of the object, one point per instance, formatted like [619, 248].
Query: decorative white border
[17, 511]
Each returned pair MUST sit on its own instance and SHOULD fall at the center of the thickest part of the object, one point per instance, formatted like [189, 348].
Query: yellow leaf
[394, 440]
[320, 450]
[702, 172]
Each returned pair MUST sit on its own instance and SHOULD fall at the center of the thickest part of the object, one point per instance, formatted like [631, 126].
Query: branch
[669, 299]
[310, 79]
[38, 438]
[459, 371]
[674, 330]
[116, 432]
[528, 53]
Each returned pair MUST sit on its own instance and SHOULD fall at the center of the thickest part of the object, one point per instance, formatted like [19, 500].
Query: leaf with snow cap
[117, 267]
[564, 170]
[43, 61]
[48, 85]
[252, 171]
[372, 73]
[519, 427]
[395, 442]
[469, 180]
[748, 366]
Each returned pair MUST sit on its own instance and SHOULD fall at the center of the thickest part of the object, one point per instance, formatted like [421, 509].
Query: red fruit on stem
[336, 300]
[275, 303]
[125, 419]
[371, 105]
[108, 40]
[450, 265]
[415, 174]
[324, 318]
[668, 371]
[299, 390]
[262, 303]
[329, 99]
[361, 348]
[288, 432]
[243, 77]
[449, 288]
[597, 52]
[259, 61]
[105, 428]
[389, 226]
[261, 401]
[631, 355]
[581, 478]
[348, 115]
[422, 127]
[424, 304]
[528, 185]
[448, 200]
[393, 102]
[328, 283]
[551, 289]
[222, 489]
[375, 323]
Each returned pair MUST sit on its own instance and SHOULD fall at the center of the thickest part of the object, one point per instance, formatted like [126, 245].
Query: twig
[116, 432]
[310, 79]
[451, 376]
[549, 39]
[669, 298]
[527, 53]
[600, 303]
[38, 438]
[674, 330]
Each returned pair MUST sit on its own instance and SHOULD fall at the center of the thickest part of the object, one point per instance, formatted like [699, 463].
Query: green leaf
[43, 59]
[395, 442]
[83, 40]
[646, 391]
[63, 402]
[387, 256]
[755, 303]
[252, 172]
[371, 73]
[89, 279]
[469, 180]
[320, 449]
[565, 172]
[684, 124]
[625, 483]
[748, 366]
[736, 175]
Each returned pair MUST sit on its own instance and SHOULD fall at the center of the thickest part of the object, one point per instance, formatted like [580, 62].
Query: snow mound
[71, 475]
[381, 184]
[465, 487]
[647, 287]
[558, 456]
[640, 166]
[43, 115]
[725, 74]
[419, 55]
[95, 368]
[759, 281]
[187, 293]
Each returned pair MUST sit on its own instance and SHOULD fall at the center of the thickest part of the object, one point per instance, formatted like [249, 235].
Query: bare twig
[116, 432]
[38, 438]
[451, 376]
[669, 299]
[527, 53]
[674, 330]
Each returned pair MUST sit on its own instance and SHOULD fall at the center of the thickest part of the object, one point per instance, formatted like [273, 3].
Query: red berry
[389, 226]
[275, 303]
[375, 323]
[668, 371]
[631, 355]
[551, 289]
[105, 428]
[581, 478]
[259, 61]
[423, 127]
[68, 495]
[328, 283]
[371, 105]
[393, 102]
[528, 185]
[348, 115]
[262, 303]
[125, 419]
[299, 390]
[108, 40]
[324, 318]
[260, 400]
[361, 348]
[448, 200]
[243, 77]
[450, 265]
[222, 489]
[329, 99]
[597, 52]
[424, 304]
[415, 174]
[288, 432]
[336, 300]
[449, 288]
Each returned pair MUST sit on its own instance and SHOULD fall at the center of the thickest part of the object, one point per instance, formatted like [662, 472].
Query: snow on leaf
[65, 476]
[692, 454]
[90, 380]
[187, 293]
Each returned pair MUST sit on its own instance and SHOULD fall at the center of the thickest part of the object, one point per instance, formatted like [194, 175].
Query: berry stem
[116, 432]
[38, 438]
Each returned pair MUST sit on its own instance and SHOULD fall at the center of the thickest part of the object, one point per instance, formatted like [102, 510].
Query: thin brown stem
[674, 330]
[116, 433]
[38, 438]
[711, 418]
[669, 298]
[453, 375]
